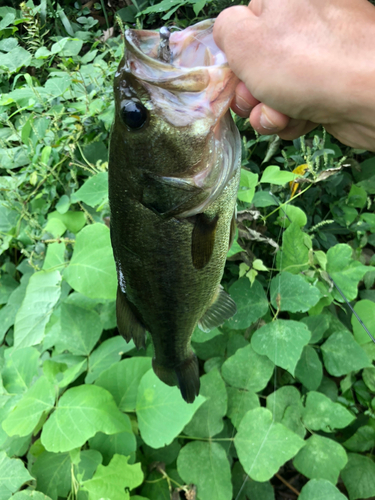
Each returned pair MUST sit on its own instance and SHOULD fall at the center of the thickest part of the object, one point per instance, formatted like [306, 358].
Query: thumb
[233, 34]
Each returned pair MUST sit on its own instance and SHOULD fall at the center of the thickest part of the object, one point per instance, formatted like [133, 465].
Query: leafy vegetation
[287, 384]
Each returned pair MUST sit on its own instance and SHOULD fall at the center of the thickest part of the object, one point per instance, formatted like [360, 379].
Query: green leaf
[206, 465]
[320, 489]
[55, 256]
[282, 341]
[15, 59]
[94, 191]
[42, 53]
[52, 474]
[63, 369]
[111, 481]
[244, 294]
[81, 412]
[317, 325]
[309, 369]
[208, 419]
[123, 443]
[239, 403]
[248, 182]
[291, 292]
[80, 330]
[366, 311]
[345, 271]
[67, 47]
[320, 413]
[9, 311]
[286, 407]
[294, 255]
[56, 227]
[106, 355]
[359, 476]
[13, 474]
[42, 293]
[273, 175]
[21, 366]
[7, 286]
[62, 206]
[289, 214]
[200, 336]
[321, 458]
[244, 488]
[357, 197]
[122, 381]
[55, 87]
[155, 487]
[342, 354]
[73, 221]
[161, 411]
[263, 446]
[247, 370]
[162, 6]
[363, 439]
[263, 199]
[92, 269]
[86, 463]
[26, 494]
[25, 416]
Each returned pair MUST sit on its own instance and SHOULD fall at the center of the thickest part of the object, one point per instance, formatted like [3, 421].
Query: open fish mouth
[184, 78]
[196, 65]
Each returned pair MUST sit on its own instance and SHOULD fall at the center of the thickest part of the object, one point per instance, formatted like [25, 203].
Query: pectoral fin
[232, 232]
[203, 240]
[169, 196]
[127, 323]
[222, 308]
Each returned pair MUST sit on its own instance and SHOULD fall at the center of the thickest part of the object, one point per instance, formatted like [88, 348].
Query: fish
[174, 169]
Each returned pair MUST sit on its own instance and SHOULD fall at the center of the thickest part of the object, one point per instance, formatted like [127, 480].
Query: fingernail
[243, 105]
[266, 120]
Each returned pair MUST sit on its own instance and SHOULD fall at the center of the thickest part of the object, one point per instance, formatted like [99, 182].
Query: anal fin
[222, 308]
[127, 323]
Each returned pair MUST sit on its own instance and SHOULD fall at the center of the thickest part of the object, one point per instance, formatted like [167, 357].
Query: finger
[267, 121]
[296, 128]
[232, 28]
[243, 101]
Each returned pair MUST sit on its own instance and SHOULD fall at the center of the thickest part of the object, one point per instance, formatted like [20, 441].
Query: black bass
[174, 169]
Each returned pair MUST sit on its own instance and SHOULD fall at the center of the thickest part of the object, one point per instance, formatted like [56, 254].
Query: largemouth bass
[174, 168]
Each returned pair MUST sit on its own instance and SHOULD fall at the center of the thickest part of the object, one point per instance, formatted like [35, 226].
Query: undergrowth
[286, 405]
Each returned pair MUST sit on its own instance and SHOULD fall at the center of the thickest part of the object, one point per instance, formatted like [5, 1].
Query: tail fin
[188, 378]
[185, 375]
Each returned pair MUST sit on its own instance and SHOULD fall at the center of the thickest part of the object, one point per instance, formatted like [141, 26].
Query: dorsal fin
[222, 308]
[203, 240]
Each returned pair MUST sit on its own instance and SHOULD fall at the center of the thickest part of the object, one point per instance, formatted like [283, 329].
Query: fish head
[170, 126]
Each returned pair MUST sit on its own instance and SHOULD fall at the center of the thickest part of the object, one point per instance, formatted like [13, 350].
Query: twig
[287, 484]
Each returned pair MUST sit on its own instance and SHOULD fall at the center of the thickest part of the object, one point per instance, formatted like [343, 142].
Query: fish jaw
[188, 104]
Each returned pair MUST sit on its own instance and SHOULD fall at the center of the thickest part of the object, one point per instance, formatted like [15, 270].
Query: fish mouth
[193, 88]
[197, 65]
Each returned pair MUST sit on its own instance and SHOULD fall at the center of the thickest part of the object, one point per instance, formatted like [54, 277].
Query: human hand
[303, 63]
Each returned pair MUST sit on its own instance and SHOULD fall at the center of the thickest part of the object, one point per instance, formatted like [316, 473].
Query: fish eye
[134, 114]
